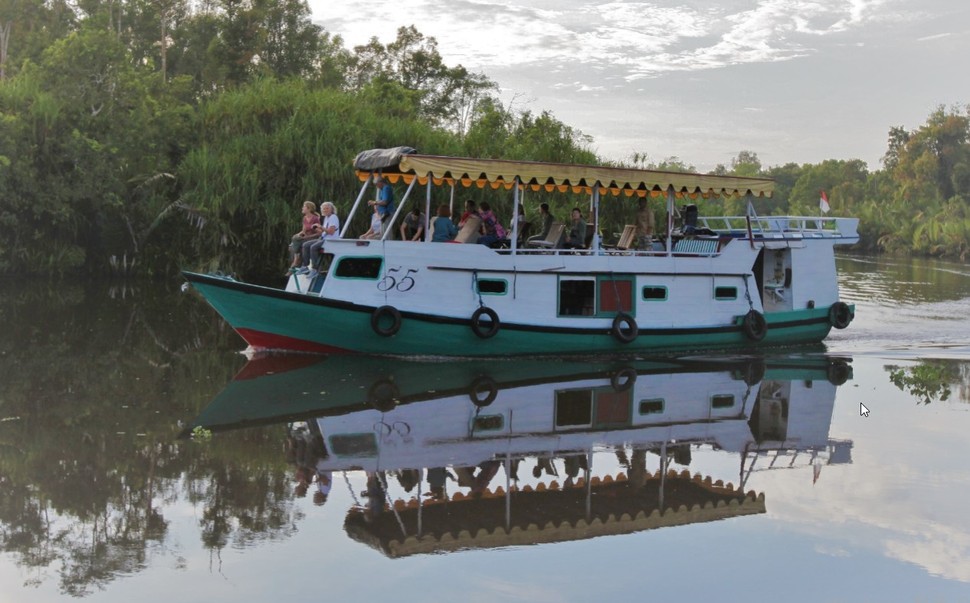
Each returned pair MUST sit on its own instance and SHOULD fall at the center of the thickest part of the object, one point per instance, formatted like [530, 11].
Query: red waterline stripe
[275, 364]
[261, 340]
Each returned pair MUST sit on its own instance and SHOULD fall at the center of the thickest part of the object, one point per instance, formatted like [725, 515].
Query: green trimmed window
[493, 286]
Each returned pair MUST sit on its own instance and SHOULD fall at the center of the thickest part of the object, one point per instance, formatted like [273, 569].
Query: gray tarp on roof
[378, 159]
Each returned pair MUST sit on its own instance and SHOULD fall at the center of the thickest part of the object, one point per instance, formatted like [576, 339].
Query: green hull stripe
[346, 325]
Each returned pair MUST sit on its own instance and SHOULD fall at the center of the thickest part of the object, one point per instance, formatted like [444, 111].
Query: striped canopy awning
[563, 177]
[549, 514]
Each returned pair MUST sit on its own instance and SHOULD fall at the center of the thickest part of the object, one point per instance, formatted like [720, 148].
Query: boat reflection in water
[495, 454]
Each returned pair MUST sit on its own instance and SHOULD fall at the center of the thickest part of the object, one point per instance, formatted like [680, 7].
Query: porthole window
[492, 286]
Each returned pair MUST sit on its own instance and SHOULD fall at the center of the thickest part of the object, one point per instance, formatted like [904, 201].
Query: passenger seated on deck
[547, 220]
[471, 209]
[376, 226]
[493, 230]
[444, 229]
[576, 239]
[415, 223]
[690, 227]
[310, 230]
[690, 219]
[330, 229]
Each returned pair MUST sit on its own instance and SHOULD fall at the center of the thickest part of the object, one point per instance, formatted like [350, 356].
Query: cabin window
[492, 286]
[366, 268]
[612, 407]
[725, 293]
[574, 408]
[354, 445]
[603, 296]
[488, 423]
[615, 295]
[722, 401]
[651, 293]
[652, 407]
[577, 297]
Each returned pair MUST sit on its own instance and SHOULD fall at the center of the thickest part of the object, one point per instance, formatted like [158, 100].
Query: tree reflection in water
[932, 380]
[90, 454]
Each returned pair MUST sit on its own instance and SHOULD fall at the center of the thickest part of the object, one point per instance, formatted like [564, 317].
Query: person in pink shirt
[311, 230]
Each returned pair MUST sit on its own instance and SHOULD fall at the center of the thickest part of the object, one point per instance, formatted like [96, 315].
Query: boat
[274, 388]
[459, 460]
[704, 283]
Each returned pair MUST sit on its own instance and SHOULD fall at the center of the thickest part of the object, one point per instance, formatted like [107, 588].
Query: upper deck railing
[781, 227]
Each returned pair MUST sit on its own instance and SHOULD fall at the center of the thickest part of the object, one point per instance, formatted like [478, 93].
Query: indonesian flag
[823, 203]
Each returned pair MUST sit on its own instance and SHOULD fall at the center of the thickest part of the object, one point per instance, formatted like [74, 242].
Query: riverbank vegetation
[147, 136]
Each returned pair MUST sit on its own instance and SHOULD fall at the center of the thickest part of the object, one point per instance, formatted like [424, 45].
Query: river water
[142, 457]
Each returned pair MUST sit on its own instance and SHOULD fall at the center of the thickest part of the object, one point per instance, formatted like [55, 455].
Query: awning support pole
[663, 477]
[670, 219]
[360, 197]
[427, 213]
[515, 215]
[508, 493]
[595, 243]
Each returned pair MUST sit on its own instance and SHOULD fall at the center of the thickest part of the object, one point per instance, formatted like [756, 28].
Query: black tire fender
[379, 317]
[383, 394]
[482, 384]
[624, 328]
[840, 315]
[485, 329]
[623, 379]
[838, 372]
[754, 372]
[754, 325]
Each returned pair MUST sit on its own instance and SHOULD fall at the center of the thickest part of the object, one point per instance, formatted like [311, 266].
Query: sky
[792, 80]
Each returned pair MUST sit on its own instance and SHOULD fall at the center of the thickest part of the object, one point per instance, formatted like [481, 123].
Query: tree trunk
[164, 46]
[4, 41]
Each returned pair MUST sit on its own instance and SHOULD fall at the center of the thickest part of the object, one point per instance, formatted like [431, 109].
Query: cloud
[687, 54]
[645, 38]
[492, 588]
[890, 503]
[934, 37]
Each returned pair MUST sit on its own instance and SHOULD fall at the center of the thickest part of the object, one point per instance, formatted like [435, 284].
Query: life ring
[840, 315]
[838, 372]
[485, 329]
[383, 394]
[624, 328]
[754, 325]
[623, 379]
[380, 315]
[482, 384]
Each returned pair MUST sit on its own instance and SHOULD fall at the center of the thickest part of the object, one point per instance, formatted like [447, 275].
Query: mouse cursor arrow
[863, 411]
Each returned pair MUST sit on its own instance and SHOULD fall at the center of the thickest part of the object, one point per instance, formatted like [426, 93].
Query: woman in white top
[330, 229]
[376, 226]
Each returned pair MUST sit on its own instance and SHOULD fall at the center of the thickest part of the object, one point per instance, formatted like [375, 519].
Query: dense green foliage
[185, 134]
